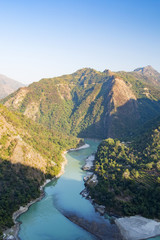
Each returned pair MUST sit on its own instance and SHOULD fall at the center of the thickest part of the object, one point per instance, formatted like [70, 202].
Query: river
[156, 238]
[44, 219]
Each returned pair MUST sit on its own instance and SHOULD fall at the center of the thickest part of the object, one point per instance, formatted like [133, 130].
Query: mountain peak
[107, 71]
[149, 73]
[145, 69]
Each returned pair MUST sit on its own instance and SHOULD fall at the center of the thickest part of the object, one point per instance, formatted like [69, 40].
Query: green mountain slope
[90, 103]
[29, 153]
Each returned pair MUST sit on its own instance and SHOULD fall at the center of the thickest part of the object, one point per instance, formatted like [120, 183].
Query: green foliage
[128, 178]
[47, 142]
[17, 187]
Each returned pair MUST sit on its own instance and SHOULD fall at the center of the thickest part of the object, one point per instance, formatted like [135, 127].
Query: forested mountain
[129, 174]
[8, 86]
[89, 103]
[29, 153]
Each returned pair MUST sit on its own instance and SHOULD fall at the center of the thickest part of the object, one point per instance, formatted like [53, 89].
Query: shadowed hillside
[19, 184]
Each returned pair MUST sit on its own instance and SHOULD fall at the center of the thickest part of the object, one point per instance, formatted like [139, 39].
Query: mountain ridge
[90, 103]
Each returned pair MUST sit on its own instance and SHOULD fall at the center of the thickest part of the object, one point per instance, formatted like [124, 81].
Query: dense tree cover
[47, 142]
[129, 176]
[19, 183]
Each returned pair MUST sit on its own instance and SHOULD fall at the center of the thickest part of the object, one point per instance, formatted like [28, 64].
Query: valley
[39, 122]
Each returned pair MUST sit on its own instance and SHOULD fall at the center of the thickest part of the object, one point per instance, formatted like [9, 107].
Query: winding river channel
[45, 220]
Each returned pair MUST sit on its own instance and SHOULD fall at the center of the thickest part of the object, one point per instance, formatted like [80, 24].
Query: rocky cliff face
[124, 112]
[89, 103]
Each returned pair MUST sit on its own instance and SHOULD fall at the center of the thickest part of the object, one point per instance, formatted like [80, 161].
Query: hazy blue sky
[46, 38]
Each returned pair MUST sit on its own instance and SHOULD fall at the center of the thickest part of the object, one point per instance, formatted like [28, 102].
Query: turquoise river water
[44, 219]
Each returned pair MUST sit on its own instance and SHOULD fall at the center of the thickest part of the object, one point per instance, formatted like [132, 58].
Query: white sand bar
[89, 162]
[137, 227]
[82, 147]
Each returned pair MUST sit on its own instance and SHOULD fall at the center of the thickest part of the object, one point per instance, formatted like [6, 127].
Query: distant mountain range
[89, 103]
[8, 85]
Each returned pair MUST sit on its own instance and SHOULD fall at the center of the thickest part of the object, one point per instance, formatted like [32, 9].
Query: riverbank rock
[92, 181]
[100, 208]
[10, 238]
[137, 227]
[88, 175]
[89, 163]
[84, 193]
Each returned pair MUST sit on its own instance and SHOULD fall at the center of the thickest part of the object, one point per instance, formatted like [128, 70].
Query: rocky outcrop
[92, 181]
[89, 163]
[85, 193]
[100, 208]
